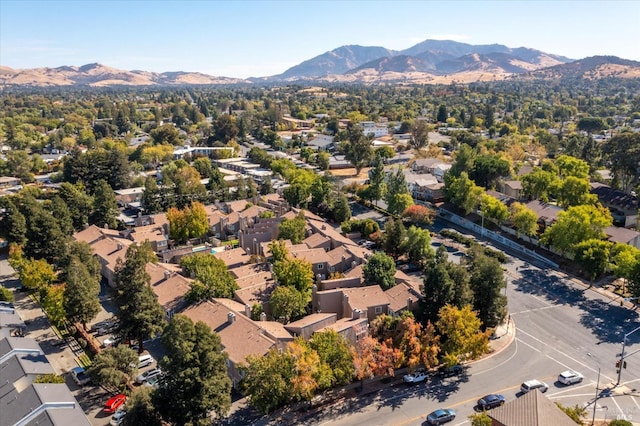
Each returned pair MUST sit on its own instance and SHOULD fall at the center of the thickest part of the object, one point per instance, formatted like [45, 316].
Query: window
[320, 266]
[378, 309]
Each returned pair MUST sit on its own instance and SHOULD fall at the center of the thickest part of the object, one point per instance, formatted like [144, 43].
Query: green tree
[463, 192]
[493, 209]
[52, 301]
[480, 419]
[15, 225]
[49, 378]
[571, 166]
[322, 160]
[438, 288]
[293, 229]
[523, 219]
[333, 350]
[418, 245]
[377, 185]
[114, 367]
[461, 334]
[394, 239]
[79, 203]
[265, 186]
[576, 413]
[151, 196]
[577, 224]
[573, 191]
[590, 124]
[267, 380]
[487, 169]
[140, 314]
[61, 212]
[278, 251]
[397, 196]
[295, 273]
[399, 203]
[36, 274]
[225, 128]
[309, 373]
[419, 135]
[45, 239]
[358, 150]
[6, 295]
[296, 194]
[105, 207]
[536, 184]
[212, 277]
[190, 222]
[196, 381]
[81, 293]
[487, 281]
[287, 303]
[341, 210]
[623, 150]
[380, 269]
[442, 115]
[593, 257]
[140, 408]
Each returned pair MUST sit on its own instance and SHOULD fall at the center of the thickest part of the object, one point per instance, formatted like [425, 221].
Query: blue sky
[259, 38]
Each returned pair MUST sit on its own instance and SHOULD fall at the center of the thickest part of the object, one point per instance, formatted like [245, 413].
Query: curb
[510, 334]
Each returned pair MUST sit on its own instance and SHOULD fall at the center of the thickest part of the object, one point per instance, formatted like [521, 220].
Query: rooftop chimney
[263, 316]
[167, 275]
[247, 311]
[231, 317]
[409, 304]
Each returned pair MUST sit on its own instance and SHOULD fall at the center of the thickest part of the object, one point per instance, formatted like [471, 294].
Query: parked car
[111, 341]
[570, 377]
[147, 375]
[440, 416]
[152, 382]
[113, 403]
[95, 327]
[490, 401]
[80, 376]
[118, 417]
[107, 328]
[530, 385]
[415, 377]
[454, 370]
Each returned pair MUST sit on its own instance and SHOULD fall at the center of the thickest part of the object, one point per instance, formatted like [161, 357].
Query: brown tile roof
[531, 409]
[232, 257]
[275, 330]
[152, 233]
[330, 232]
[398, 296]
[236, 206]
[258, 293]
[313, 256]
[249, 270]
[233, 305]
[307, 214]
[311, 319]
[252, 212]
[171, 291]
[240, 338]
[344, 324]
[89, 235]
[617, 234]
[336, 255]
[110, 250]
[354, 272]
[365, 297]
[544, 210]
[315, 240]
[260, 278]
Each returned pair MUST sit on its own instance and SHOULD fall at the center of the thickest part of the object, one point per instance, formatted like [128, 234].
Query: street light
[624, 343]
[593, 419]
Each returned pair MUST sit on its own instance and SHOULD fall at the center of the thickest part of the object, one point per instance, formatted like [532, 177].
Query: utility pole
[620, 364]
[595, 400]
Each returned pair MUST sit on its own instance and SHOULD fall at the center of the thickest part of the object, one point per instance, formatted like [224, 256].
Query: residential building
[371, 301]
[512, 188]
[240, 336]
[531, 409]
[623, 206]
[10, 323]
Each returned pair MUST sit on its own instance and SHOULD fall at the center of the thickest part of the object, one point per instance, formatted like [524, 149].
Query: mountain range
[431, 61]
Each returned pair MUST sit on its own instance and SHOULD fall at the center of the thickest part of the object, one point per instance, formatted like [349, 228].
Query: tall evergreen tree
[377, 186]
[105, 207]
[81, 293]
[140, 314]
[196, 381]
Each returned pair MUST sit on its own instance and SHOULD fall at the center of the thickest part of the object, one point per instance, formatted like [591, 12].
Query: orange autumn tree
[309, 373]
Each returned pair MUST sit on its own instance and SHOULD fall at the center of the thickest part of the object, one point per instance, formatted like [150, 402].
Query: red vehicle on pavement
[114, 403]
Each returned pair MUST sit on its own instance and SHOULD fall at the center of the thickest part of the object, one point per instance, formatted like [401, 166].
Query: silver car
[570, 377]
[148, 375]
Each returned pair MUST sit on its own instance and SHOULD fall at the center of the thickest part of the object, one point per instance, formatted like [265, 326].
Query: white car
[148, 375]
[570, 377]
[415, 377]
[118, 418]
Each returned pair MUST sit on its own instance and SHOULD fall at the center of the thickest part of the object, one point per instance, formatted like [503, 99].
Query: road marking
[536, 309]
[499, 365]
[564, 354]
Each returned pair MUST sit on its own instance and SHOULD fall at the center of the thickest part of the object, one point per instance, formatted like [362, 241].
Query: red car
[114, 403]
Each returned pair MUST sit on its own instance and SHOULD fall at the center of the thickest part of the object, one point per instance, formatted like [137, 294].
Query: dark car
[490, 401]
[454, 370]
[443, 415]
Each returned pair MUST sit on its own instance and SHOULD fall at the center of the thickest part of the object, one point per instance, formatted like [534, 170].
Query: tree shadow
[606, 319]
